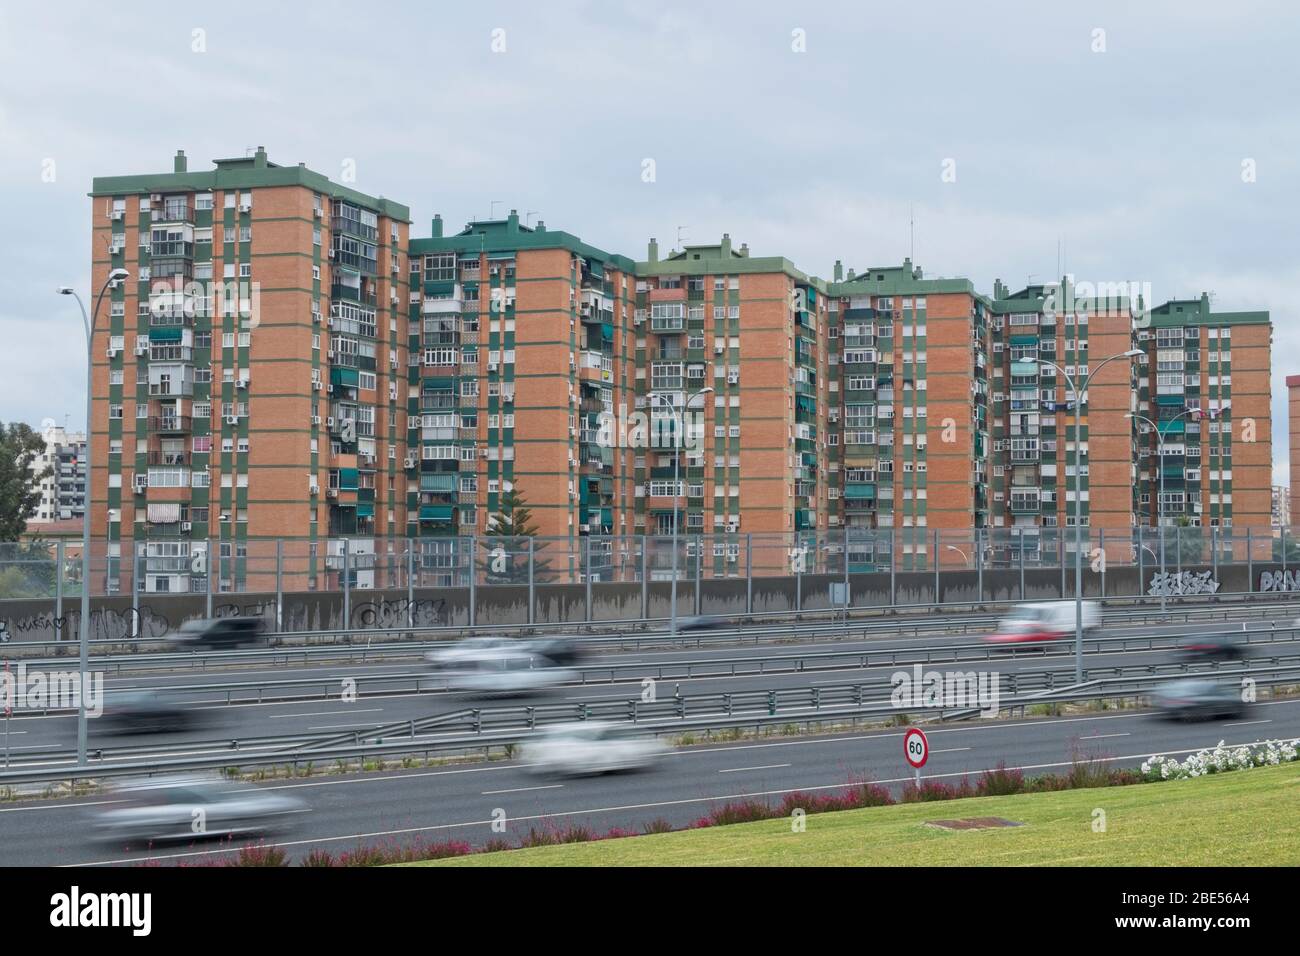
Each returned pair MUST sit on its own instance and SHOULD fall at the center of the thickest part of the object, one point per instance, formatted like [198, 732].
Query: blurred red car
[1043, 623]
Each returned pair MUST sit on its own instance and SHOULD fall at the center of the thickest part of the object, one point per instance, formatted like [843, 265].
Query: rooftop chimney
[744, 250]
[726, 245]
[512, 221]
[179, 164]
[839, 270]
[435, 227]
[541, 226]
[652, 251]
[259, 158]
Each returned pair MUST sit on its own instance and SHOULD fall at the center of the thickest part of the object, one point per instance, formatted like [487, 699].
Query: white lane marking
[550, 786]
[1247, 723]
[327, 713]
[342, 726]
[951, 750]
[59, 806]
[770, 766]
[1104, 736]
[633, 806]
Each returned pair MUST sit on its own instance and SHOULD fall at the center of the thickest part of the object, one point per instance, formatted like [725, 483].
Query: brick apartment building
[391, 387]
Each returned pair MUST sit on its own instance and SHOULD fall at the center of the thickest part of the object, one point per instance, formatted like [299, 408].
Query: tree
[20, 446]
[507, 560]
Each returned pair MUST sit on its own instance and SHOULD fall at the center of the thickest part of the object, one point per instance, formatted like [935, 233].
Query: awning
[166, 512]
[1025, 367]
[435, 512]
[442, 287]
[596, 269]
[344, 376]
[348, 479]
[1025, 340]
[500, 256]
[165, 333]
[365, 509]
[1178, 400]
[859, 491]
[441, 483]
[607, 331]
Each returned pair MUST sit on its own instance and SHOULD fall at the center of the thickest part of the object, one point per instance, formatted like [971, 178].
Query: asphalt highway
[458, 802]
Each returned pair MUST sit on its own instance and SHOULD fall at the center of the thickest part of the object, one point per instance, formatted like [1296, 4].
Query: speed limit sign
[915, 747]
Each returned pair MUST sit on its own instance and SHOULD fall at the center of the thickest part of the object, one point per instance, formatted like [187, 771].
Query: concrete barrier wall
[504, 604]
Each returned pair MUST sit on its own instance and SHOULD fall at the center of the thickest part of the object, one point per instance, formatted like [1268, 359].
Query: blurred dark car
[1198, 700]
[1212, 649]
[145, 712]
[561, 651]
[221, 632]
[700, 623]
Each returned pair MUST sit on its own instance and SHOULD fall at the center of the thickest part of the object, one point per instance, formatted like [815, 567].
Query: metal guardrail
[781, 705]
[740, 636]
[484, 739]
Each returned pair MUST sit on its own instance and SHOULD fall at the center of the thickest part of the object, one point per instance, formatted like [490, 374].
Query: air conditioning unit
[187, 526]
[731, 558]
[482, 452]
[330, 354]
[241, 383]
[315, 419]
[312, 487]
[141, 483]
[330, 253]
[733, 378]
[717, 349]
[493, 366]
[317, 386]
[329, 422]
[111, 353]
[508, 398]
[117, 214]
[315, 318]
[330, 388]
[409, 462]
[317, 212]
[141, 348]
[156, 197]
[245, 207]
[232, 419]
[331, 492]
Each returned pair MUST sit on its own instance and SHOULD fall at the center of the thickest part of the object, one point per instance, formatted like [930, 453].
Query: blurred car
[145, 712]
[193, 807]
[1198, 699]
[562, 651]
[221, 632]
[1043, 622]
[591, 747]
[1212, 649]
[507, 672]
[464, 653]
[699, 623]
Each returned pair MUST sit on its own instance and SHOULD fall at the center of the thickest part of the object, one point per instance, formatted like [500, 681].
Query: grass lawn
[1249, 817]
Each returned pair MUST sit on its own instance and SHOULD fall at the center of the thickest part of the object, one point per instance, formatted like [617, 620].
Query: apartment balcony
[177, 212]
[171, 249]
[168, 458]
[442, 306]
[170, 423]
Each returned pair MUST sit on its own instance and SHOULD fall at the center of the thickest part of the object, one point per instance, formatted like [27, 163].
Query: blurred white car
[464, 653]
[591, 747]
[509, 672]
[193, 807]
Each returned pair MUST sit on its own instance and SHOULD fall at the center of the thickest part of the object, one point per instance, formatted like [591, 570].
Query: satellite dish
[47, 424]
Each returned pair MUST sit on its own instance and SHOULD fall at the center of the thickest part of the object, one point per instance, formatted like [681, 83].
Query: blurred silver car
[462, 654]
[1193, 699]
[506, 672]
[193, 807]
[591, 747]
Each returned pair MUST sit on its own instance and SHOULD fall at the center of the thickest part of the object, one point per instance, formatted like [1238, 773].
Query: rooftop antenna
[680, 230]
[911, 229]
[528, 218]
[492, 209]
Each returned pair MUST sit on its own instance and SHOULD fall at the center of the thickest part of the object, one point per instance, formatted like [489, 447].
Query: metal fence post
[347, 584]
[530, 581]
[892, 590]
[749, 572]
[586, 570]
[699, 575]
[279, 584]
[1020, 547]
[798, 573]
[936, 567]
[645, 576]
[1141, 562]
[979, 565]
[1214, 552]
[1252, 581]
[207, 568]
[58, 589]
[1178, 547]
[410, 583]
[473, 580]
[1282, 537]
[847, 598]
[1101, 546]
[1060, 558]
[136, 581]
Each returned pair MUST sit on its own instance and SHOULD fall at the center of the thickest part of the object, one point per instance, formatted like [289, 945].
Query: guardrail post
[530, 580]
[749, 572]
[645, 577]
[58, 589]
[586, 570]
[979, 565]
[473, 580]
[279, 584]
[410, 583]
[1101, 545]
[347, 586]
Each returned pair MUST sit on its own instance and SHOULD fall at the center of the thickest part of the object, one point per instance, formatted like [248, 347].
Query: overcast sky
[808, 130]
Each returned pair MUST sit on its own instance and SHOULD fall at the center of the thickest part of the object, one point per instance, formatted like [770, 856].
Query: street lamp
[679, 417]
[1078, 496]
[1160, 459]
[965, 560]
[115, 278]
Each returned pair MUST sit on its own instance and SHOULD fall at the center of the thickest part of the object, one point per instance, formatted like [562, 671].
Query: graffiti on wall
[1279, 581]
[1176, 583]
[385, 613]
